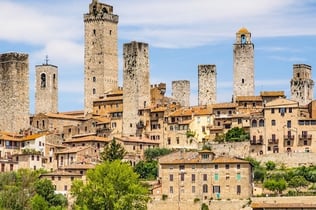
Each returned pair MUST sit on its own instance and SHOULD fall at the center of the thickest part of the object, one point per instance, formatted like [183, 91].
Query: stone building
[207, 84]
[136, 87]
[46, 88]
[302, 84]
[244, 84]
[101, 57]
[186, 176]
[14, 92]
[181, 92]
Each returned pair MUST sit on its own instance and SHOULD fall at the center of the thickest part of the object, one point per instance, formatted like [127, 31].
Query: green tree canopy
[153, 153]
[236, 134]
[298, 182]
[270, 165]
[147, 169]
[113, 151]
[110, 185]
[277, 186]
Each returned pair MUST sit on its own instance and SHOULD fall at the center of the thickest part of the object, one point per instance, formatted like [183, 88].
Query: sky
[181, 34]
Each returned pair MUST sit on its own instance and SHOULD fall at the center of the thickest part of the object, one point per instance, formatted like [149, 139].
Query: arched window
[43, 80]
[243, 39]
[242, 81]
[93, 91]
[54, 80]
[254, 123]
[261, 123]
[205, 188]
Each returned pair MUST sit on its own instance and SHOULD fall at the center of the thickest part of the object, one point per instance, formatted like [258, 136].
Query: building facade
[100, 57]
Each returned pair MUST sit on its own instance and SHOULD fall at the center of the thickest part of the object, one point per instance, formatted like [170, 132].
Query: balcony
[305, 140]
[273, 141]
[256, 142]
[305, 137]
[288, 137]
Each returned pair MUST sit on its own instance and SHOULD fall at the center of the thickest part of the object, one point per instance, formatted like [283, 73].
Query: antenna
[46, 60]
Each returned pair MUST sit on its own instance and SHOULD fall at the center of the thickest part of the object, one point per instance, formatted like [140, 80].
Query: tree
[277, 186]
[298, 182]
[147, 169]
[153, 153]
[270, 165]
[113, 151]
[39, 203]
[110, 185]
[236, 134]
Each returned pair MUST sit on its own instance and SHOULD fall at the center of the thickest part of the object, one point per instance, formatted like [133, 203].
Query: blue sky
[181, 35]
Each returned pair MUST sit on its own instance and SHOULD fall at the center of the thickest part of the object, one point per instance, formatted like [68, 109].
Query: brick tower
[207, 84]
[181, 92]
[302, 84]
[244, 84]
[100, 57]
[136, 87]
[46, 88]
[14, 92]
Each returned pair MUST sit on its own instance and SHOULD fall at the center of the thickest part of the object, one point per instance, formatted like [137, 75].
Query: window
[227, 176]
[204, 177]
[93, 91]
[53, 178]
[238, 177]
[273, 123]
[171, 177]
[171, 189]
[65, 187]
[169, 141]
[216, 189]
[72, 178]
[242, 81]
[227, 166]
[290, 110]
[238, 166]
[238, 189]
[193, 177]
[193, 189]
[205, 188]
[182, 177]
[94, 79]
[216, 166]
[261, 123]
[178, 141]
[288, 124]
[59, 178]
[272, 111]
[43, 80]
[216, 178]
[254, 123]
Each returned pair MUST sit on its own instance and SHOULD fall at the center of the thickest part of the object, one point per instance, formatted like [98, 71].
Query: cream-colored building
[186, 176]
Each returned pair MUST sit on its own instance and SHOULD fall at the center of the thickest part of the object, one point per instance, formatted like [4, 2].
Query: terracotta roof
[181, 112]
[272, 93]
[180, 157]
[73, 150]
[61, 173]
[248, 98]
[228, 159]
[283, 205]
[109, 98]
[18, 137]
[87, 139]
[158, 109]
[281, 102]
[79, 166]
[64, 116]
[224, 105]
[185, 122]
[136, 139]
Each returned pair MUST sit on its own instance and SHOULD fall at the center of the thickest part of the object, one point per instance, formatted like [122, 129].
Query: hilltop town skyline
[277, 47]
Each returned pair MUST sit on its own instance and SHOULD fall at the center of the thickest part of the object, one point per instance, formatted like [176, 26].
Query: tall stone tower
[181, 92]
[244, 84]
[101, 57]
[46, 88]
[14, 92]
[207, 84]
[136, 86]
[302, 84]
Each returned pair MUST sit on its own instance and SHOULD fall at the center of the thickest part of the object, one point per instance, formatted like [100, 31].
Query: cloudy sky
[181, 35]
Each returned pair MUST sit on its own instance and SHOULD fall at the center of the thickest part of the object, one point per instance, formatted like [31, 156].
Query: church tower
[302, 84]
[101, 52]
[136, 88]
[244, 84]
[46, 88]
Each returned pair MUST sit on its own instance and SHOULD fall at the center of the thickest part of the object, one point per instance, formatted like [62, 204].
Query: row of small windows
[307, 122]
[216, 189]
[282, 110]
[204, 177]
[216, 166]
[179, 127]
[44, 80]
[254, 123]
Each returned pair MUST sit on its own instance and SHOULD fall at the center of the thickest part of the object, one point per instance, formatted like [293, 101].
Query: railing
[288, 137]
[305, 137]
[256, 142]
[273, 141]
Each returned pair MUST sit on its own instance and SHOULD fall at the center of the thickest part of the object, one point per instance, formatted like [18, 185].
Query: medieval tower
[101, 56]
[244, 84]
[136, 86]
[302, 84]
[14, 92]
[181, 92]
[46, 88]
[207, 84]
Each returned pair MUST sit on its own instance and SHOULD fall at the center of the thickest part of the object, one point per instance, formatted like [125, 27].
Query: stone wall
[136, 85]
[181, 92]
[101, 53]
[207, 84]
[14, 92]
[237, 149]
[46, 89]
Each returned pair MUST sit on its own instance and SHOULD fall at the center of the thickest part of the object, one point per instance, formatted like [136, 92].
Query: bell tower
[101, 52]
[244, 84]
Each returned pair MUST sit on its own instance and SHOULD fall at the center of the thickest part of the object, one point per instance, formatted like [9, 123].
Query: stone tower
[136, 86]
[181, 92]
[14, 92]
[302, 84]
[46, 88]
[207, 84]
[244, 84]
[101, 56]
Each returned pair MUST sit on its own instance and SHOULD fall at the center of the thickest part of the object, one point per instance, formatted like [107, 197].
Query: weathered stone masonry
[207, 84]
